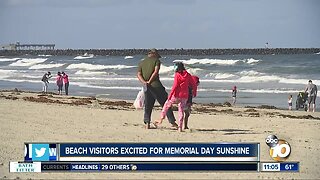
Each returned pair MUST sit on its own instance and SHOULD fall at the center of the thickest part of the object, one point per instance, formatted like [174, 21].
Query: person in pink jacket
[179, 93]
[59, 81]
[65, 82]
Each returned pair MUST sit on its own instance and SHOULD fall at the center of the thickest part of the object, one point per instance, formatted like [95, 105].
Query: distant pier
[35, 47]
[17, 46]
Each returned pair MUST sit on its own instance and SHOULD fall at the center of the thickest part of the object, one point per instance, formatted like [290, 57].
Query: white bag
[139, 102]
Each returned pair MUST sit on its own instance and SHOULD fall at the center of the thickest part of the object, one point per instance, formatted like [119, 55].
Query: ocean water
[261, 79]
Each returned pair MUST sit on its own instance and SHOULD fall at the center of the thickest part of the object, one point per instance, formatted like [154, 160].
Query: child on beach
[59, 81]
[66, 82]
[179, 93]
[187, 109]
[290, 102]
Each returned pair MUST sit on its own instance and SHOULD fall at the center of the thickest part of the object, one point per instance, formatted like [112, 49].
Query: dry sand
[31, 117]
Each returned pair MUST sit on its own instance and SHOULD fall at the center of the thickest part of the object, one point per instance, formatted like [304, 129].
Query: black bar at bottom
[147, 166]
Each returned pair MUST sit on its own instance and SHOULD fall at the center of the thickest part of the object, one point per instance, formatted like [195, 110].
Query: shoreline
[122, 104]
[163, 52]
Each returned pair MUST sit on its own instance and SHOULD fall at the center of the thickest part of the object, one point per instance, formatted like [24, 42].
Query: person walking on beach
[59, 81]
[45, 81]
[148, 75]
[312, 91]
[187, 109]
[234, 95]
[66, 82]
[179, 93]
[290, 102]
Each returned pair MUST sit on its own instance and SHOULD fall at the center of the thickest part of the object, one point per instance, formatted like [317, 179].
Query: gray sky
[161, 23]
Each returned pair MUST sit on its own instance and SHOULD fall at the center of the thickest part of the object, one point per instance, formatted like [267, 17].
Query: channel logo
[279, 149]
[40, 152]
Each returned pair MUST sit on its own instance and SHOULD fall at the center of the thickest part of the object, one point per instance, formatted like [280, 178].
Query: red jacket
[182, 82]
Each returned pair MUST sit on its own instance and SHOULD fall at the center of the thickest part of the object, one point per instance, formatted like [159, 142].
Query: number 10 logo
[279, 148]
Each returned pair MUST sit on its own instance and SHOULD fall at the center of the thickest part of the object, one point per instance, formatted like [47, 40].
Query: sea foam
[45, 66]
[28, 61]
[8, 59]
[87, 66]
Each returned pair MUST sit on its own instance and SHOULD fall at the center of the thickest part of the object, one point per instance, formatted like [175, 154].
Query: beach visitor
[65, 78]
[187, 109]
[290, 102]
[59, 81]
[312, 91]
[148, 75]
[45, 81]
[234, 95]
[179, 93]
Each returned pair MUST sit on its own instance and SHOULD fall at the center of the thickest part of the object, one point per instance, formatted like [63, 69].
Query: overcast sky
[161, 23]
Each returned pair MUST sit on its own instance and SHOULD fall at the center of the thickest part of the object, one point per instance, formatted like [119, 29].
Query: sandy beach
[34, 117]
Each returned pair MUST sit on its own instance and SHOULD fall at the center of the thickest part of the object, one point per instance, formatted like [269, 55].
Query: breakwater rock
[191, 52]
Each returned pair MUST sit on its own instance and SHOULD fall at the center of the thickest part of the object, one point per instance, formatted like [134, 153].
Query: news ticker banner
[144, 152]
[88, 157]
[152, 166]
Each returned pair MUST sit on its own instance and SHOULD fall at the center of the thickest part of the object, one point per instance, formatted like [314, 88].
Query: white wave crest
[28, 62]
[224, 76]
[85, 56]
[87, 66]
[260, 91]
[253, 77]
[169, 70]
[165, 69]
[219, 76]
[44, 55]
[250, 73]
[252, 61]
[8, 59]
[194, 71]
[23, 80]
[6, 73]
[211, 61]
[217, 61]
[83, 84]
[128, 57]
[81, 72]
[271, 91]
[45, 66]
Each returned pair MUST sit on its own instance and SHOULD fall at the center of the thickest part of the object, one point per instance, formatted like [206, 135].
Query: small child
[179, 93]
[290, 102]
[187, 109]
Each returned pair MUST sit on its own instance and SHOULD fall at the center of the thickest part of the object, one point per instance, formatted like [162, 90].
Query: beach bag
[139, 102]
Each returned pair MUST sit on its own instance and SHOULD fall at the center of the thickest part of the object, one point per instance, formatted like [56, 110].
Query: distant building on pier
[18, 46]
